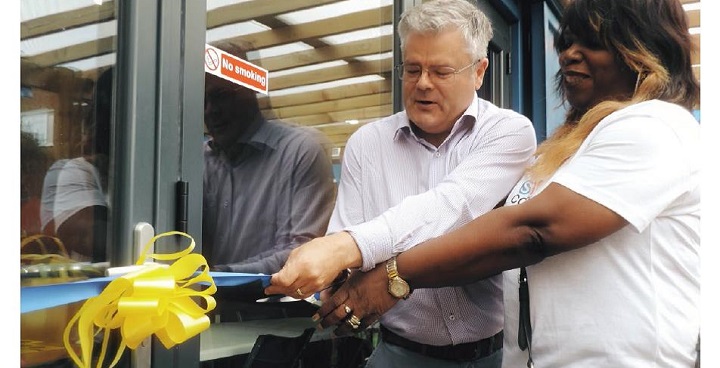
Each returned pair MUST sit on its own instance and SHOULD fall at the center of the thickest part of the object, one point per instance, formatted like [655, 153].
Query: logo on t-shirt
[522, 192]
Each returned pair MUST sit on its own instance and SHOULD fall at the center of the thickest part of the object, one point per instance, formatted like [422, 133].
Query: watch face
[399, 289]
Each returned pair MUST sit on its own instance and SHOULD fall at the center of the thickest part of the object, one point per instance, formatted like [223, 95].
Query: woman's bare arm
[555, 221]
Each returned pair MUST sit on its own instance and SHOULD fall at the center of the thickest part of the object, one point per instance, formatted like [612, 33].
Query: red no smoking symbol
[212, 60]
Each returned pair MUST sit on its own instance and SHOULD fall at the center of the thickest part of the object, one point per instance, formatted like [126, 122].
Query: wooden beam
[76, 52]
[217, 17]
[331, 106]
[321, 28]
[350, 70]
[52, 79]
[246, 11]
[290, 34]
[66, 20]
[338, 134]
[329, 94]
[275, 22]
[696, 53]
[327, 53]
[693, 18]
[365, 113]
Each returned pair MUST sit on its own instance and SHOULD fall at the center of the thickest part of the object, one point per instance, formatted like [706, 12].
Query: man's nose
[424, 80]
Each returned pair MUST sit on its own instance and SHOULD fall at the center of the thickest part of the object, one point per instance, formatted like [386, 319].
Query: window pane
[272, 160]
[67, 54]
[329, 69]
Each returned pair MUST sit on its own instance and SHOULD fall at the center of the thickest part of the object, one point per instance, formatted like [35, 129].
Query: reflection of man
[268, 186]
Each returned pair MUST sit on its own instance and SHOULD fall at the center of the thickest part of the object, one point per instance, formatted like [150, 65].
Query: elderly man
[448, 158]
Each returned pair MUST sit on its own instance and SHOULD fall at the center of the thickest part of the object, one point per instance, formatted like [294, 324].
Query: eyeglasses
[437, 74]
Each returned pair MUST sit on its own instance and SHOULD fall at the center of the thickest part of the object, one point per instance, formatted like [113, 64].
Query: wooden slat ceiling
[361, 102]
[327, 109]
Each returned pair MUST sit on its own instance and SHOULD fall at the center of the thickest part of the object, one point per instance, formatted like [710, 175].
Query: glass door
[110, 143]
[67, 92]
[287, 83]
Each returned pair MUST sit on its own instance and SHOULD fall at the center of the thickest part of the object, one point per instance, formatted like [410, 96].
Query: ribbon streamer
[156, 299]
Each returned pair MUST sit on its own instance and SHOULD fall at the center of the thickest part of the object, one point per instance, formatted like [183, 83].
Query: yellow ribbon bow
[155, 299]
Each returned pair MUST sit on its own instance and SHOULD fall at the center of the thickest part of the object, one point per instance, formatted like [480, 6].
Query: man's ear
[480, 72]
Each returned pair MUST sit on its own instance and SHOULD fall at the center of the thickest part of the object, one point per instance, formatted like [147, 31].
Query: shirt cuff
[374, 241]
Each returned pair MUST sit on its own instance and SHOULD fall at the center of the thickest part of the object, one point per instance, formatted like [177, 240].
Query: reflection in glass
[330, 68]
[67, 54]
[268, 184]
[74, 203]
[272, 161]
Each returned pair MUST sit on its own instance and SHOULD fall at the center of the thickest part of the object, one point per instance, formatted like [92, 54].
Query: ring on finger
[299, 292]
[354, 322]
[348, 310]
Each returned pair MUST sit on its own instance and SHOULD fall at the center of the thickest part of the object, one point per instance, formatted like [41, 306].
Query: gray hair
[436, 16]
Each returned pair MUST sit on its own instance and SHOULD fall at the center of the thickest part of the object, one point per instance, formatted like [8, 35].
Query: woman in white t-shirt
[75, 203]
[607, 220]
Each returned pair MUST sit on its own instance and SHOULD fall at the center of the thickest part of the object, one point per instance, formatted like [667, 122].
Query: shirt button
[225, 204]
[452, 317]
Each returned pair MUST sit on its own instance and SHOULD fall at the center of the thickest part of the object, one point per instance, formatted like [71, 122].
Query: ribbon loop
[170, 302]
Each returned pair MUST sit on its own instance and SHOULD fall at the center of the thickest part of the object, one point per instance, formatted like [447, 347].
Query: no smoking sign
[236, 70]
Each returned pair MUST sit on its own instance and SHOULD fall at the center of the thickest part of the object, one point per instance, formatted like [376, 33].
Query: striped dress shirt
[397, 190]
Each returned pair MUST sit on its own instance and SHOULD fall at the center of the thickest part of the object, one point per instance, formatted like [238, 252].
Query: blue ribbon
[39, 297]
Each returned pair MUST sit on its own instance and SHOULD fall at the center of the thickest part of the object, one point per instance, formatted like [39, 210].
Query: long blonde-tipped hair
[651, 38]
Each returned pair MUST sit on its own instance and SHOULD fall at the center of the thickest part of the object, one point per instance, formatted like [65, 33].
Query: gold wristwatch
[397, 287]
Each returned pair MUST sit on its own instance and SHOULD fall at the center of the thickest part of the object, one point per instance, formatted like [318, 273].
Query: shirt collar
[468, 118]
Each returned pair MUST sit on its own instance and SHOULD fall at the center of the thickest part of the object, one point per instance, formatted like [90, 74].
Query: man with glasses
[448, 158]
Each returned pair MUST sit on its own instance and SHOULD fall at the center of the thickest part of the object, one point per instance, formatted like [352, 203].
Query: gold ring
[299, 292]
[348, 310]
[354, 322]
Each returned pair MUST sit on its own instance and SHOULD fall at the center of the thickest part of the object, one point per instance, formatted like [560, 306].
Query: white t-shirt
[69, 186]
[632, 298]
